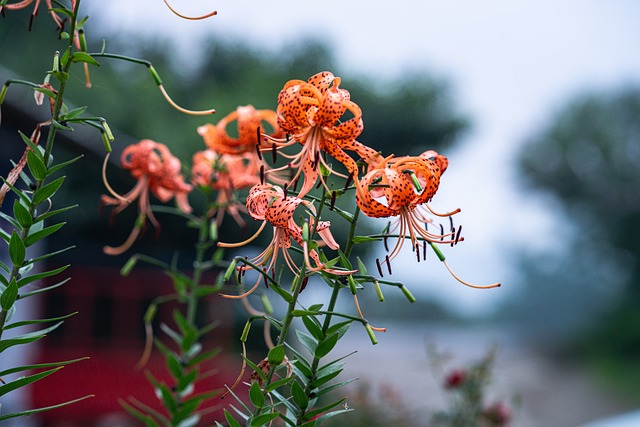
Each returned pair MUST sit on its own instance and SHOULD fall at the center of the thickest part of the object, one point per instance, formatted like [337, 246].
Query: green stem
[48, 149]
[331, 307]
[202, 245]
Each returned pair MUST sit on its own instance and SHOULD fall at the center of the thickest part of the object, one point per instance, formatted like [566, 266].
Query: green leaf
[5, 344]
[276, 355]
[72, 114]
[36, 165]
[29, 279]
[174, 366]
[186, 380]
[340, 328]
[264, 419]
[63, 165]
[256, 395]
[299, 396]
[41, 234]
[84, 57]
[64, 11]
[230, 420]
[22, 215]
[43, 409]
[23, 381]
[361, 267]
[283, 293]
[330, 388]
[9, 296]
[61, 76]
[17, 250]
[140, 416]
[362, 239]
[279, 383]
[325, 346]
[203, 357]
[313, 326]
[328, 376]
[39, 366]
[47, 191]
[51, 213]
[314, 413]
[307, 341]
[37, 321]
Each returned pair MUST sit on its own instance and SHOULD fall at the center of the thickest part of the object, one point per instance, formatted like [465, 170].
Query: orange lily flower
[311, 111]
[24, 3]
[226, 173]
[158, 172]
[268, 203]
[248, 121]
[402, 187]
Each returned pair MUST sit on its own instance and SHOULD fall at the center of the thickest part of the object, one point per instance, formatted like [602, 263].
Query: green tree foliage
[587, 159]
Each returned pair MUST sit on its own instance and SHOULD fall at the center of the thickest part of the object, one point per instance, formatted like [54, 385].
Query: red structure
[109, 330]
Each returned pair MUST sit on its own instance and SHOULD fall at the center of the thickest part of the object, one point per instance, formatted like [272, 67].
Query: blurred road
[542, 392]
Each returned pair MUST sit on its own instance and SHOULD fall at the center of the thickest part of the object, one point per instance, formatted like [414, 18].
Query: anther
[458, 234]
[261, 173]
[348, 182]
[259, 135]
[274, 152]
[333, 200]
[386, 258]
[379, 268]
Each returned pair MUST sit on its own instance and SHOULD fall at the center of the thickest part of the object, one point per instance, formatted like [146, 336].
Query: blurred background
[537, 107]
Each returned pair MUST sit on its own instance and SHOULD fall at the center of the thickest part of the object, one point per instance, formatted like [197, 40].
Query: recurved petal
[325, 234]
[323, 80]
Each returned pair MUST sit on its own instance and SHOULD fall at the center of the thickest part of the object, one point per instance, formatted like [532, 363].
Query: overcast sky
[511, 64]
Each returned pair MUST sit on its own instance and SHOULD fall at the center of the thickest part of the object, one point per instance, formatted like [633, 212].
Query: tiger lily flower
[158, 172]
[226, 173]
[24, 3]
[269, 204]
[402, 187]
[311, 112]
[249, 122]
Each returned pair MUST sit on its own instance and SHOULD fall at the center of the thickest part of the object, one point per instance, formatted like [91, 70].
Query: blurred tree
[587, 159]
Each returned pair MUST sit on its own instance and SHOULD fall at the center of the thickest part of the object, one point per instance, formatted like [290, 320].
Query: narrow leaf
[36, 165]
[17, 250]
[325, 346]
[34, 277]
[299, 396]
[9, 296]
[59, 166]
[47, 191]
[21, 382]
[41, 234]
[21, 213]
[264, 419]
[39, 366]
[46, 408]
[84, 57]
[276, 355]
[230, 420]
[256, 396]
